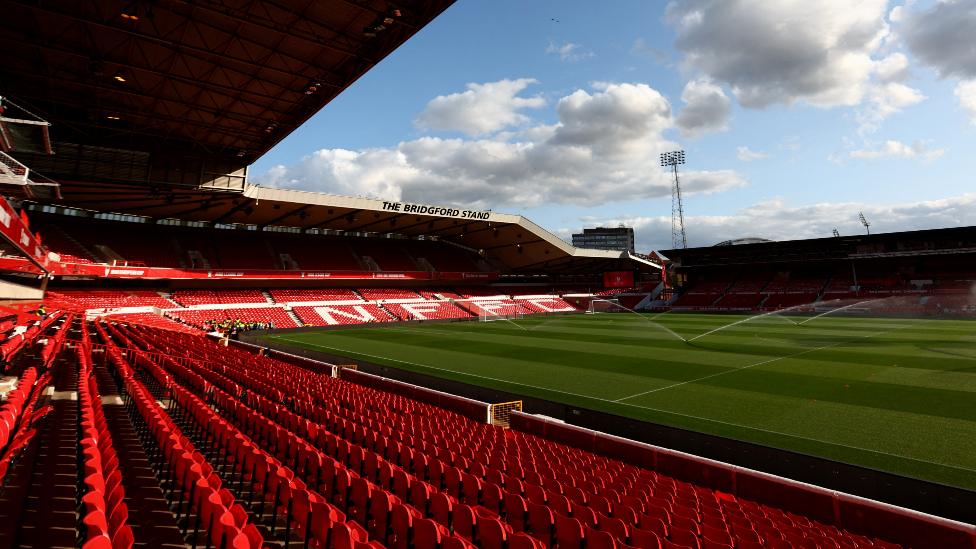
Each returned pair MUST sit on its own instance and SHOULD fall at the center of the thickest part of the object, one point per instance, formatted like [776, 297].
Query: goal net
[485, 317]
[606, 306]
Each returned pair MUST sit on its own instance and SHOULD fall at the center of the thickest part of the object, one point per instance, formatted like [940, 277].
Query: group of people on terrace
[232, 327]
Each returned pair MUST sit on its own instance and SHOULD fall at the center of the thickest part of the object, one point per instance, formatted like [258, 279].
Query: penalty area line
[650, 408]
[760, 363]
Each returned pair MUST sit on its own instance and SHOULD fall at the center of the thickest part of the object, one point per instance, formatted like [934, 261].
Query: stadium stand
[283, 295]
[323, 253]
[773, 275]
[152, 320]
[439, 293]
[80, 240]
[389, 256]
[82, 300]
[345, 464]
[218, 297]
[374, 294]
[543, 304]
[67, 247]
[494, 307]
[444, 258]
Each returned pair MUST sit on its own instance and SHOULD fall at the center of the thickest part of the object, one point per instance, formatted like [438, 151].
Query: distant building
[606, 238]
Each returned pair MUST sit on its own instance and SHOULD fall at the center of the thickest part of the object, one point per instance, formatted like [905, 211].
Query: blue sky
[795, 115]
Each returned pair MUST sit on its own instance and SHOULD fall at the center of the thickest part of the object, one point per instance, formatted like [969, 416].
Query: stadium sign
[441, 211]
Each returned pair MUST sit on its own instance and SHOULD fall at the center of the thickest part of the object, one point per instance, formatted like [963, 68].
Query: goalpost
[485, 317]
[606, 306]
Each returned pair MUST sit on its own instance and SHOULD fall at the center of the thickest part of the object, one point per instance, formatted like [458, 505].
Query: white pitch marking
[760, 363]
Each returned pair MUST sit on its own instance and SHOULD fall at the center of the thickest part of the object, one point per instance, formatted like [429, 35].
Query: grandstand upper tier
[280, 231]
[929, 264]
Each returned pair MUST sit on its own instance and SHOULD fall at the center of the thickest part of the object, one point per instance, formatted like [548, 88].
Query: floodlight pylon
[679, 239]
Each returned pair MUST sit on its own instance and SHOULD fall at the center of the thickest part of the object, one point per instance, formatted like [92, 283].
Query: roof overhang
[206, 78]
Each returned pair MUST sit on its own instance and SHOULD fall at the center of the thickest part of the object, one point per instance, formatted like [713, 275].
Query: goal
[493, 318]
[606, 306]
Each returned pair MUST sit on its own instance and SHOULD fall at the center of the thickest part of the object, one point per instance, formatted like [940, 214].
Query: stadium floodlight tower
[678, 237]
[864, 221]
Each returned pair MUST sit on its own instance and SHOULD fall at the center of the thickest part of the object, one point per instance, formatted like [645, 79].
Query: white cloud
[897, 149]
[883, 101]
[816, 51]
[706, 109]
[482, 109]
[746, 155]
[568, 51]
[779, 220]
[966, 93]
[942, 37]
[893, 68]
[603, 148]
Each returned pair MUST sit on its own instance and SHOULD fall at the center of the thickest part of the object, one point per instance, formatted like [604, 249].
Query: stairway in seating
[168, 296]
[197, 260]
[179, 252]
[371, 264]
[823, 289]
[291, 314]
[48, 517]
[80, 246]
[151, 520]
[388, 312]
[267, 297]
[466, 307]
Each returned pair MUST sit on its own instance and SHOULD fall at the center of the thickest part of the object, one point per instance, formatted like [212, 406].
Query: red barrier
[14, 229]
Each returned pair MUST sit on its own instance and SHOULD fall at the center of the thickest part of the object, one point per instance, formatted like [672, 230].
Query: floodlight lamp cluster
[672, 158]
[382, 22]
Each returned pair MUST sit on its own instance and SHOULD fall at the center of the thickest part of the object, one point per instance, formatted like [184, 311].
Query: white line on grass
[760, 363]
[690, 416]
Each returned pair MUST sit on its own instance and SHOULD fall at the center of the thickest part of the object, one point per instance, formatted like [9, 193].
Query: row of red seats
[82, 300]
[17, 417]
[56, 342]
[374, 294]
[223, 521]
[285, 295]
[105, 514]
[427, 310]
[332, 315]
[558, 304]
[207, 297]
[154, 320]
[200, 317]
[495, 307]
[11, 346]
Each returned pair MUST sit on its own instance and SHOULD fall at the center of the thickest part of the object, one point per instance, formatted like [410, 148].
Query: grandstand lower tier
[119, 433]
[292, 308]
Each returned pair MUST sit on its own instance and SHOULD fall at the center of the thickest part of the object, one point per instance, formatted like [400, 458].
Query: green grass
[892, 394]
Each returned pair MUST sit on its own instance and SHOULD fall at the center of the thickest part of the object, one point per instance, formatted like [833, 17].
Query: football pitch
[895, 394]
